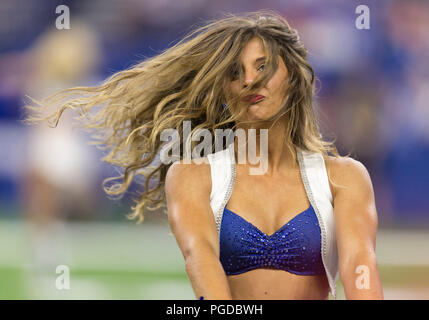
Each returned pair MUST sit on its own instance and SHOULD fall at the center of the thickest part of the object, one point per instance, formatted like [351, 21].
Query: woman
[272, 235]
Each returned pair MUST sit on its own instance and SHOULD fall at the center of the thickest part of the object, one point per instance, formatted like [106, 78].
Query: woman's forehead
[252, 50]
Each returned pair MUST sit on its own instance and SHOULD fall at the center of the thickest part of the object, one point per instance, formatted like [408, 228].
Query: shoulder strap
[317, 175]
[315, 178]
[222, 168]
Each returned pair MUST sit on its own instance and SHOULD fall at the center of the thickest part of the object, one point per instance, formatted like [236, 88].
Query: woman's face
[273, 93]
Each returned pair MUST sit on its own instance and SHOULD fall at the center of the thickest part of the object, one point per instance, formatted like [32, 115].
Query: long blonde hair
[187, 82]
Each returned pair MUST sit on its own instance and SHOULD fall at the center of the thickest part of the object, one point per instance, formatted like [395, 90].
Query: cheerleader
[289, 232]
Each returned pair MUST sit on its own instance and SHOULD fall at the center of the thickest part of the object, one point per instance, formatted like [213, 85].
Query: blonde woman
[286, 233]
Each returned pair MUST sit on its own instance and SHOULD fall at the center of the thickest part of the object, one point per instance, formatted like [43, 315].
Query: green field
[128, 261]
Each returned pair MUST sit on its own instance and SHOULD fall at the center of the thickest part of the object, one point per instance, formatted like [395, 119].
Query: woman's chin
[254, 112]
[254, 109]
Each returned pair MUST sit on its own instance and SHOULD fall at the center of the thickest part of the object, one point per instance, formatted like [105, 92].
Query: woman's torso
[267, 203]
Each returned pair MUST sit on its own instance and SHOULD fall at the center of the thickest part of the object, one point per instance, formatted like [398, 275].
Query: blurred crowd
[372, 95]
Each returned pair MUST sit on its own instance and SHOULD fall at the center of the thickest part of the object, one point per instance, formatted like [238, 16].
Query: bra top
[295, 247]
[315, 179]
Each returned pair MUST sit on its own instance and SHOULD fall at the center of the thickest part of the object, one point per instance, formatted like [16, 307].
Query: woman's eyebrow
[260, 59]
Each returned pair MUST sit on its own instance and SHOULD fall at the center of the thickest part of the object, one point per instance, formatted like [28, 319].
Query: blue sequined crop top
[295, 247]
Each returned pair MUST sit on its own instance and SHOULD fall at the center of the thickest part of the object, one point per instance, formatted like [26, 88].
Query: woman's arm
[188, 188]
[356, 226]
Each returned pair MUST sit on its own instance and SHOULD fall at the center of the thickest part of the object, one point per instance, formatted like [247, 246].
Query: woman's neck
[265, 146]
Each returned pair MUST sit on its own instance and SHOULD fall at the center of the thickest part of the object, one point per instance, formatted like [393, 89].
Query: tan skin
[274, 198]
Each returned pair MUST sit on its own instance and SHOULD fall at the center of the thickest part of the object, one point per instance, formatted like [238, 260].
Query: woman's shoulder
[189, 175]
[345, 172]
[345, 165]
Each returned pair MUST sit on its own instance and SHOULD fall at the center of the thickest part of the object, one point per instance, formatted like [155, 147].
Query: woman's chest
[268, 203]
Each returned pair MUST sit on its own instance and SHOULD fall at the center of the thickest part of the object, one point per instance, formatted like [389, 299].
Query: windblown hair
[188, 81]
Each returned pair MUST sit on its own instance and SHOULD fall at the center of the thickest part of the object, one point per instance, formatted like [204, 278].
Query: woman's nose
[248, 78]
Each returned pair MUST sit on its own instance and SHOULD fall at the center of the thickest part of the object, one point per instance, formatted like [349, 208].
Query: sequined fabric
[295, 247]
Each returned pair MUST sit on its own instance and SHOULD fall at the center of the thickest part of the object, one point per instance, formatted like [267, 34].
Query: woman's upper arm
[187, 188]
[354, 209]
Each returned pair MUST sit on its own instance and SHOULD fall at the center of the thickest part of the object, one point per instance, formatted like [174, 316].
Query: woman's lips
[254, 98]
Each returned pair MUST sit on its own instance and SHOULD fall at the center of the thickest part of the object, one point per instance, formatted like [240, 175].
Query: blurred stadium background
[374, 95]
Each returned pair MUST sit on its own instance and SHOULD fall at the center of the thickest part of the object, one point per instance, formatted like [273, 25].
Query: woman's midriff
[272, 284]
